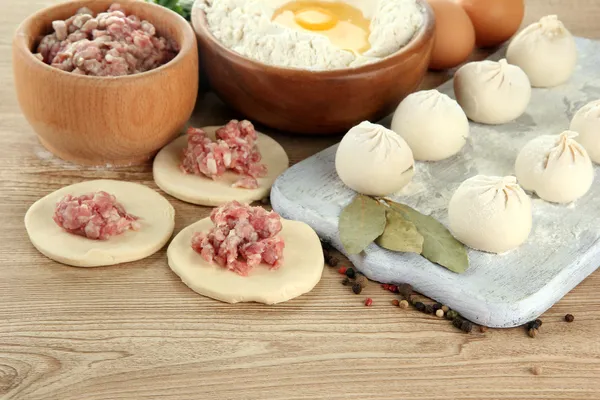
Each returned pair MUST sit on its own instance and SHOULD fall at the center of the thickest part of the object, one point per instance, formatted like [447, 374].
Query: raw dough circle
[587, 123]
[490, 213]
[433, 125]
[555, 167]
[374, 160]
[301, 271]
[204, 191]
[157, 219]
[492, 92]
[546, 51]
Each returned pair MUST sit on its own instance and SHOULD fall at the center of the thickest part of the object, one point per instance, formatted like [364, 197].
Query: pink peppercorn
[368, 302]
[342, 270]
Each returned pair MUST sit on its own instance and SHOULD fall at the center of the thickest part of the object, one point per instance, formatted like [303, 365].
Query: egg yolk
[345, 26]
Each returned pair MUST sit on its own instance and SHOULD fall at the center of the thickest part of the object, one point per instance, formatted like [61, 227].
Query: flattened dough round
[157, 219]
[197, 189]
[301, 271]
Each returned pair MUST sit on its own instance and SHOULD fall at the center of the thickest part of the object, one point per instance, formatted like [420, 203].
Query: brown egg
[495, 21]
[454, 35]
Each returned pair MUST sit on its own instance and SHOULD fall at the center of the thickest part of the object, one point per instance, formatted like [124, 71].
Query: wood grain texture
[136, 332]
[121, 120]
[322, 102]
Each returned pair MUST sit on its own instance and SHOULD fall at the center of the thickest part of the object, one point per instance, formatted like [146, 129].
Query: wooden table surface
[136, 332]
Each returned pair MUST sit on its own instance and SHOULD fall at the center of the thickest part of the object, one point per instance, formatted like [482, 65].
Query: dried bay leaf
[361, 222]
[439, 245]
[400, 235]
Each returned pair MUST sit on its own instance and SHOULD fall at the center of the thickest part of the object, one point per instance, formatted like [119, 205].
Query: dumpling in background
[586, 122]
[433, 125]
[490, 213]
[492, 92]
[546, 51]
[555, 167]
[374, 160]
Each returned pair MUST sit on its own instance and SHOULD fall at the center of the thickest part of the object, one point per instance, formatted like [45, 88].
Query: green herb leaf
[361, 222]
[439, 245]
[400, 235]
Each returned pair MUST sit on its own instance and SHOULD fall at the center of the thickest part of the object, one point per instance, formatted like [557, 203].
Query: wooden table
[136, 332]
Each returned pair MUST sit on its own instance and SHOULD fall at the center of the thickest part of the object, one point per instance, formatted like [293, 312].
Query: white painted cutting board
[498, 290]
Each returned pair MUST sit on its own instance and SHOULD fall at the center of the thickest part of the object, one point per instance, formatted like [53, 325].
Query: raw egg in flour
[344, 25]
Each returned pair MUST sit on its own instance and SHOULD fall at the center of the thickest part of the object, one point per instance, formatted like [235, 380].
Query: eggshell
[495, 21]
[454, 37]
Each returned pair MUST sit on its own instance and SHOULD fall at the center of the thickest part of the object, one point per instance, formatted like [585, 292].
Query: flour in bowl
[247, 27]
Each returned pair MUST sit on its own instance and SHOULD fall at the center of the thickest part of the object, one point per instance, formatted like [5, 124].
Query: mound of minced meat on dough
[108, 44]
[234, 150]
[242, 238]
[94, 216]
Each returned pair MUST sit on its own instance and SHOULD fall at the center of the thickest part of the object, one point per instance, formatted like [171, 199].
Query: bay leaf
[439, 245]
[400, 235]
[361, 222]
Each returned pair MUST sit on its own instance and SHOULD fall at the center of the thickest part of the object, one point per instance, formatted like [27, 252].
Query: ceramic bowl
[313, 102]
[106, 120]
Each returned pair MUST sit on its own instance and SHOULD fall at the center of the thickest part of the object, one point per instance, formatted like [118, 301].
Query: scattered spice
[439, 313]
[537, 324]
[437, 306]
[333, 261]
[342, 270]
[445, 309]
[369, 302]
[428, 309]
[451, 315]
[405, 290]
[420, 306]
[536, 370]
[532, 332]
[396, 303]
[393, 288]
[462, 324]
[569, 318]
[483, 329]
[404, 304]
[362, 280]
[346, 282]
[350, 273]
[357, 288]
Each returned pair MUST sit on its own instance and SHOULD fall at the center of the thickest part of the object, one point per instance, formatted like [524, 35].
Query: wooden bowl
[106, 120]
[309, 102]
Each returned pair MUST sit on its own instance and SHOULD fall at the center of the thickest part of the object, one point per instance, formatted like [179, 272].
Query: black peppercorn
[357, 288]
[405, 290]
[451, 315]
[534, 324]
[420, 306]
[333, 261]
[466, 326]
[539, 322]
[569, 318]
[437, 306]
[428, 309]
[346, 282]
[457, 323]
[350, 273]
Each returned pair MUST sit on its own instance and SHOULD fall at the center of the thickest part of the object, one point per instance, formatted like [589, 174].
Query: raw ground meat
[235, 150]
[94, 216]
[109, 44]
[242, 238]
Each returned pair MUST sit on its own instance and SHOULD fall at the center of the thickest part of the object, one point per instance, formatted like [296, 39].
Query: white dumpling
[374, 160]
[546, 51]
[492, 92]
[490, 213]
[555, 167]
[586, 122]
[434, 125]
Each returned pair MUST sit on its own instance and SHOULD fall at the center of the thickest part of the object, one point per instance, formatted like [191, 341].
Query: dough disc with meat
[156, 217]
[198, 189]
[300, 272]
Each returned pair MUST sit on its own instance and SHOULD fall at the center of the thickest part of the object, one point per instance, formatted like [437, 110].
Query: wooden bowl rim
[188, 41]
[426, 30]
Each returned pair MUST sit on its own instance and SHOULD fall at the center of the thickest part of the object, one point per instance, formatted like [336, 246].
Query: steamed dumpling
[555, 167]
[587, 123]
[546, 51]
[490, 213]
[492, 92]
[433, 125]
[373, 160]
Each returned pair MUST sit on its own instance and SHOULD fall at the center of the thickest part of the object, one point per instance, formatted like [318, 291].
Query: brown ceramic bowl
[309, 102]
[106, 120]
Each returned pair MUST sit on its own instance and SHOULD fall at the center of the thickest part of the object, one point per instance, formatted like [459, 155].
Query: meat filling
[95, 216]
[242, 238]
[234, 150]
[108, 44]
